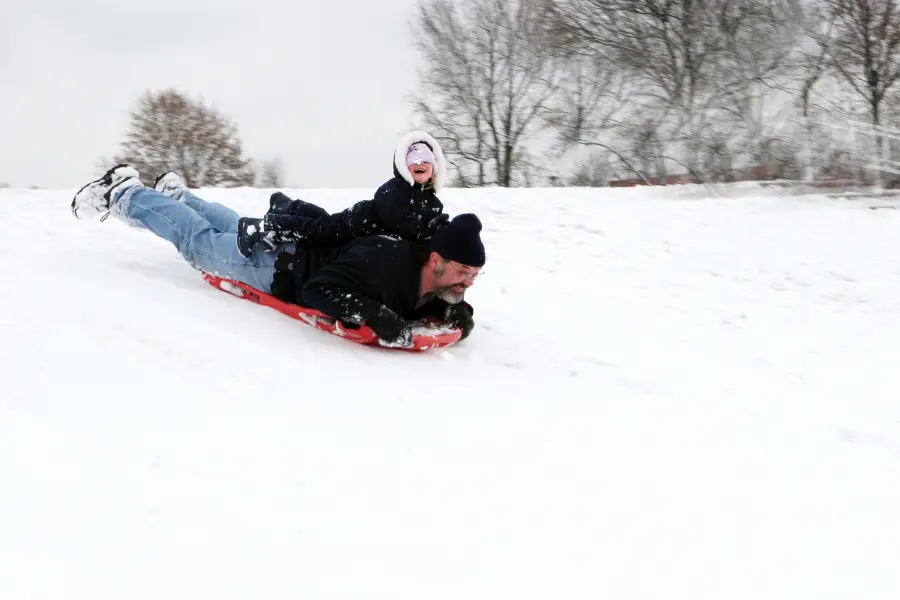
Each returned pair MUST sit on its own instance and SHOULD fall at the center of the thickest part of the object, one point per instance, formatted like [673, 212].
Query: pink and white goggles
[419, 153]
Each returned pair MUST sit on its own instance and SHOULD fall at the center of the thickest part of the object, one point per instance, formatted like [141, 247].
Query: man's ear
[434, 260]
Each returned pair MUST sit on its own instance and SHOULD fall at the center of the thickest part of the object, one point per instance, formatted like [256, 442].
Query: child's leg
[280, 203]
[328, 230]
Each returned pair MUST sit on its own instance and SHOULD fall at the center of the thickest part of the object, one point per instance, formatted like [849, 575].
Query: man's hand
[458, 316]
[392, 329]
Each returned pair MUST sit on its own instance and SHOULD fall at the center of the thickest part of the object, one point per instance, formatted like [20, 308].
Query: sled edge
[364, 335]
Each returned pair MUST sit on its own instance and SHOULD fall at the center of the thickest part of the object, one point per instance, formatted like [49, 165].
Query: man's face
[452, 279]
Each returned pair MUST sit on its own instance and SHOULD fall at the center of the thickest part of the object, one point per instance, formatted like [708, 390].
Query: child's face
[421, 172]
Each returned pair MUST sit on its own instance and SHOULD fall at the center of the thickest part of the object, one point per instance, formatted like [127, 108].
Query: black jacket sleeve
[401, 209]
[340, 289]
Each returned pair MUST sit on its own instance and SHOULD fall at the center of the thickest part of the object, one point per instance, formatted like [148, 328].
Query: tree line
[578, 92]
[644, 88]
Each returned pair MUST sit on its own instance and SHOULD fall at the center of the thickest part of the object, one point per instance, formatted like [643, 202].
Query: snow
[665, 396]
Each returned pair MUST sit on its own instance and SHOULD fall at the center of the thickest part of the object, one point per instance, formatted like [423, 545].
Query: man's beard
[448, 295]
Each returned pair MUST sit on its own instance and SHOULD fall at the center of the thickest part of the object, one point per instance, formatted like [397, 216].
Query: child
[406, 206]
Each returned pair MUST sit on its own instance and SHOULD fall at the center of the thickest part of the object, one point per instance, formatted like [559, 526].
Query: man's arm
[339, 289]
[343, 290]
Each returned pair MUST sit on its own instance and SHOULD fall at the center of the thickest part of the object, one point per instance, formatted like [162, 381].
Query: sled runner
[426, 335]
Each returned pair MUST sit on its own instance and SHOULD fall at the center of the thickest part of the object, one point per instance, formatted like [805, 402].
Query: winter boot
[95, 197]
[169, 184]
[281, 204]
[250, 233]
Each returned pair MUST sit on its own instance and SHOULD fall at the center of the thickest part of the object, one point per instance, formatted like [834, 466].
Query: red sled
[426, 335]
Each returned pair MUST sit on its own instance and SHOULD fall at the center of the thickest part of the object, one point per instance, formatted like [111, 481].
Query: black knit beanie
[460, 241]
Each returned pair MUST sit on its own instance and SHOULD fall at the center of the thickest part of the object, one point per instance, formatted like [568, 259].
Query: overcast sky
[322, 85]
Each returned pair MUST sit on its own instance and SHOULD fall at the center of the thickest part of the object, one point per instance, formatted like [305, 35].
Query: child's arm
[403, 212]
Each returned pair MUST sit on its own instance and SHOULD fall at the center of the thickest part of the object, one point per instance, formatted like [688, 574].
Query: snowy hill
[663, 398]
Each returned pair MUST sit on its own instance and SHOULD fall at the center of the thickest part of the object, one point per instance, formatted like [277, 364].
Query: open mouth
[421, 170]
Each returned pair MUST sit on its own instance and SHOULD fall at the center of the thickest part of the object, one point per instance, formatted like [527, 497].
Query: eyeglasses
[465, 271]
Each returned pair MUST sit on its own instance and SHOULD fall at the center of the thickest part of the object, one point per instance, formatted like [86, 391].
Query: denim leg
[218, 215]
[201, 244]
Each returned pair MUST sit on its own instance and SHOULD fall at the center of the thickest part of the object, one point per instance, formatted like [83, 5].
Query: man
[377, 281]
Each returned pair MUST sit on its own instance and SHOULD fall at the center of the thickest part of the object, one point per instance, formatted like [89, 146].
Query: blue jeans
[204, 233]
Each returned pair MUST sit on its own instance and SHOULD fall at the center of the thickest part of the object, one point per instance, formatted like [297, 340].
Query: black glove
[436, 223]
[250, 233]
[392, 329]
[458, 316]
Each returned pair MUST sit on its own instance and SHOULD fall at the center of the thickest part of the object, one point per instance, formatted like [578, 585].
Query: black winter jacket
[351, 283]
[400, 208]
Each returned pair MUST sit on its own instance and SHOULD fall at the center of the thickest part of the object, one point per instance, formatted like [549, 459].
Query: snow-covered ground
[665, 397]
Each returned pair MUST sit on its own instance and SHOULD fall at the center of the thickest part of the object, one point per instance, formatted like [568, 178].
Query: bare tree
[271, 174]
[866, 52]
[169, 131]
[484, 82]
[866, 47]
[812, 52]
[593, 95]
[696, 69]
[658, 47]
[808, 67]
[594, 172]
[750, 75]
[665, 45]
